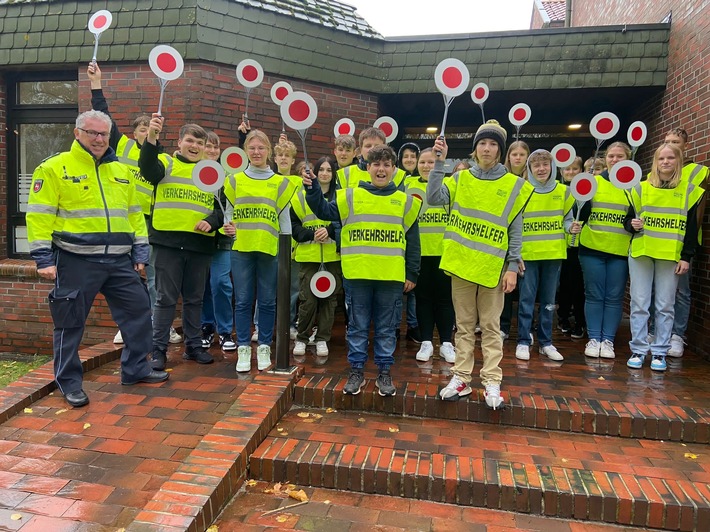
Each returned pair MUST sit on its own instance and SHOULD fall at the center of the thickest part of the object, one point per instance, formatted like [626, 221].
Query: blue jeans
[604, 288]
[541, 276]
[150, 278]
[254, 271]
[217, 301]
[373, 301]
[682, 304]
[658, 277]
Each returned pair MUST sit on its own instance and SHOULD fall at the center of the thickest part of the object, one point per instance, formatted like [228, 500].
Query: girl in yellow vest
[433, 290]
[317, 242]
[603, 254]
[481, 252]
[664, 225]
[260, 198]
[546, 220]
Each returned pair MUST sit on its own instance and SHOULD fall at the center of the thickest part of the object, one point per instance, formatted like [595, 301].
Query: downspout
[568, 14]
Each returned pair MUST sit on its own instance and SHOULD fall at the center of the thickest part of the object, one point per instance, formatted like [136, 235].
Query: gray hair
[97, 115]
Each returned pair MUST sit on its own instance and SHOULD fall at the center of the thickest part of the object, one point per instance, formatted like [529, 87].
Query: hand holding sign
[584, 187]
[209, 176]
[98, 23]
[167, 64]
[250, 75]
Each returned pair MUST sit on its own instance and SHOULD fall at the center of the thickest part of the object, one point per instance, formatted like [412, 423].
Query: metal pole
[283, 303]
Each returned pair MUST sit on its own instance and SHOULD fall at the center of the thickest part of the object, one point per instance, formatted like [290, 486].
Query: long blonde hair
[655, 179]
[513, 146]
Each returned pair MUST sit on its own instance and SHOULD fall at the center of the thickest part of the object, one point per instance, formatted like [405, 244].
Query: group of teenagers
[390, 226]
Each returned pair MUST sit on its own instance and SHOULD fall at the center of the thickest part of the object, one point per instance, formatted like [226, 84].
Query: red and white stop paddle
[584, 187]
[603, 126]
[344, 126]
[388, 126]
[299, 112]
[279, 91]
[208, 176]
[98, 23]
[250, 75]
[519, 115]
[451, 78]
[322, 283]
[479, 95]
[234, 160]
[166, 63]
[636, 135]
[625, 175]
[563, 154]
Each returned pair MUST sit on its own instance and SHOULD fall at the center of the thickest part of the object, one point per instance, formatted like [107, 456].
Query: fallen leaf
[394, 429]
[281, 518]
[284, 433]
[601, 379]
[168, 369]
[309, 420]
[326, 502]
[361, 419]
[564, 460]
[277, 486]
[691, 456]
[299, 495]
[303, 414]
[60, 411]
[279, 429]
[268, 490]
[251, 482]
[330, 410]
[290, 487]
[16, 517]
[317, 416]
[86, 425]
[28, 410]
[213, 528]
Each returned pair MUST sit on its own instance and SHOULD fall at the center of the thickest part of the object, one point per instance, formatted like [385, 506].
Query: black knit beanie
[491, 130]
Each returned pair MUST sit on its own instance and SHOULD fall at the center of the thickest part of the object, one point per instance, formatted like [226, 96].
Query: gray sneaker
[355, 382]
[384, 384]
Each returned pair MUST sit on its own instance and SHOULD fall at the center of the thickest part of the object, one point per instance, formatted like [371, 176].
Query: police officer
[87, 233]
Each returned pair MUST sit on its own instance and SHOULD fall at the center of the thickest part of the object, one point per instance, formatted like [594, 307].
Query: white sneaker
[243, 358]
[118, 339]
[321, 349]
[425, 352]
[592, 349]
[676, 351]
[455, 388]
[292, 333]
[255, 335]
[492, 395]
[447, 352]
[607, 349]
[263, 357]
[552, 353]
[522, 352]
[299, 349]
[175, 338]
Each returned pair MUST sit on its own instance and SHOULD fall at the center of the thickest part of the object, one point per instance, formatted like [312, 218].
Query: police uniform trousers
[79, 279]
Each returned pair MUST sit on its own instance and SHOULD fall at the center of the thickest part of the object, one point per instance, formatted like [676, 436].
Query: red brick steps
[533, 410]
[579, 476]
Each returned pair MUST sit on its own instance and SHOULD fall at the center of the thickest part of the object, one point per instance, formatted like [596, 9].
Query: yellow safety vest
[665, 214]
[372, 240]
[312, 251]
[476, 237]
[257, 205]
[604, 231]
[694, 173]
[432, 219]
[128, 152]
[179, 204]
[84, 207]
[350, 176]
[543, 224]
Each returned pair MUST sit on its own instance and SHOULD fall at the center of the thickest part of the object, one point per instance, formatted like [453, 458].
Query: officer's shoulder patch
[37, 186]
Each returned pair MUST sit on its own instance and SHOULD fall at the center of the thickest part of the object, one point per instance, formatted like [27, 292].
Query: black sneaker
[226, 342]
[564, 325]
[198, 354]
[158, 359]
[413, 335]
[207, 335]
[355, 382]
[384, 384]
[578, 332]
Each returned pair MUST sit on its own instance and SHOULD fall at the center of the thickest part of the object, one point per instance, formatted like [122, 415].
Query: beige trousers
[476, 304]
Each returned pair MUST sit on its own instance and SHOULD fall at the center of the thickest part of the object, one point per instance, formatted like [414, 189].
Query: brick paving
[170, 456]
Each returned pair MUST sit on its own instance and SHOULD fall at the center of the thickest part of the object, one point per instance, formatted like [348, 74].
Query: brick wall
[207, 94]
[536, 21]
[685, 103]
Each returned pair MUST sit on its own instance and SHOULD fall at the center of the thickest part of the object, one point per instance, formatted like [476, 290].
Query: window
[42, 108]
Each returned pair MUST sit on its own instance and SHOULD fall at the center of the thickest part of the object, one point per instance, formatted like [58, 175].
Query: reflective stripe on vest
[179, 204]
[257, 205]
[665, 215]
[694, 173]
[373, 244]
[312, 251]
[543, 224]
[432, 219]
[476, 238]
[604, 231]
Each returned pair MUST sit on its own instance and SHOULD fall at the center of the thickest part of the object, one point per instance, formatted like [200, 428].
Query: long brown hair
[655, 179]
[513, 146]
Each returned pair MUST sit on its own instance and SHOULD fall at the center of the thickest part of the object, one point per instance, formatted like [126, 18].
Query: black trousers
[77, 283]
[434, 304]
[570, 297]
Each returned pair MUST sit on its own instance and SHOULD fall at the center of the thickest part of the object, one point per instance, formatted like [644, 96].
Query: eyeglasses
[94, 134]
